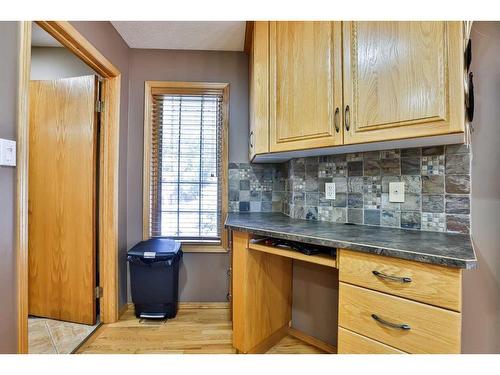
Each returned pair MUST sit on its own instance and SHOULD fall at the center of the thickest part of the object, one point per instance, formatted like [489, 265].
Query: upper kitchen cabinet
[401, 80]
[305, 85]
[259, 89]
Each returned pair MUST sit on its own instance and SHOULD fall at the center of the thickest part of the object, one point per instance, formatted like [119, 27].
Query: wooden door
[62, 199]
[305, 85]
[402, 80]
[259, 90]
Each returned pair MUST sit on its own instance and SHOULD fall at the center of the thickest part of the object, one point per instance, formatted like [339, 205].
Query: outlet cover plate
[330, 190]
[396, 192]
[7, 153]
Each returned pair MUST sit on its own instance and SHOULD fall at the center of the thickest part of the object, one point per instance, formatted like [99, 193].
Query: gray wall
[203, 276]
[8, 89]
[56, 62]
[107, 40]
[481, 288]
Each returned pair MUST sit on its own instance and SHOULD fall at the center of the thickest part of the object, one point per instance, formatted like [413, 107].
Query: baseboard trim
[269, 342]
[329, 348]
[204, 305]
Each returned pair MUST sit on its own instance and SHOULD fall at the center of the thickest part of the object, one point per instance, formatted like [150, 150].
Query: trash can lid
[155, 248]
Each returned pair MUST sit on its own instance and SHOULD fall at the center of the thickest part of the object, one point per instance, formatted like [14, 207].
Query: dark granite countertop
[447, 249]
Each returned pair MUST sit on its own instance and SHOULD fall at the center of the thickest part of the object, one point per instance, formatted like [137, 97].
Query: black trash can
[154, 277]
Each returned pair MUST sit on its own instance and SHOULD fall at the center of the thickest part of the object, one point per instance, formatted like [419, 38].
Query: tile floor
[47, 336]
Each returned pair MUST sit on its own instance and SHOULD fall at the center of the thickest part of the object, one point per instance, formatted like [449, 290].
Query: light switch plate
[7, 153]
[330, 190]
[396, 192]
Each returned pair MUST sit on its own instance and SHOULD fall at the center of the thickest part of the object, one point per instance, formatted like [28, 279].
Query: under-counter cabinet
[386, 305]
[323, 84]
[305, 92]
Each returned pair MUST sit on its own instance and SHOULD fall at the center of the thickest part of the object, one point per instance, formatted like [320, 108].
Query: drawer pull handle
[404, 327]
[392, 278]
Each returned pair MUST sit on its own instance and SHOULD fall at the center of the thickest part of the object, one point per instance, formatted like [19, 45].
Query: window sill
[194, 248]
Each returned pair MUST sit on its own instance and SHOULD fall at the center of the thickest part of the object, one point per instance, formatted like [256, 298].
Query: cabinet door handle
[392, 278]
[250, 139]
[347, 118]
[404, 327]
[336, 119]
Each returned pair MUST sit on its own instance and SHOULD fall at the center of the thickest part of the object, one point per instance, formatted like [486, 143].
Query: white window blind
[186, 167]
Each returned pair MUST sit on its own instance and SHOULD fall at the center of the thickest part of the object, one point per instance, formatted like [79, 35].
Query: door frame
[70, 38]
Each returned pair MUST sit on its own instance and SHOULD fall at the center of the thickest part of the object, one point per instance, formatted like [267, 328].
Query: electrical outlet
[330, 190]
[7, 153]
[396, 192]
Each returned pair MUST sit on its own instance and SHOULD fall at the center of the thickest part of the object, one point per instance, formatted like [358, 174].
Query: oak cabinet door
[305, 85]
[259, 90]
[402, 80]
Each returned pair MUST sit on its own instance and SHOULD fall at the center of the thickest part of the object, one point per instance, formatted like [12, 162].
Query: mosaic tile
[457, 204]
[391, 167]
[411, 152]
[267, 196]
[432, 165]
[311, 184]
[311, 213]
[312, 199]
[255, 196]
[433, 203]
[410, 219]
[372, 201]
[323, 202]
[355, 200]
[410, 166]
[255, 206]
[244, 206]
[265, 206]
[357, 156]
[234, 206]
[390, 218]
[244, 196]
[435, 222]
[340, 200]
[434, 150]
[458, 164]
[234, 195]
[458, 223]
[386, 180]
[354, 216]
[297, 211]
[371, 155]
[275, 206]
[457, 184]
[372, 184]
[432, 184]
[372, 217]
[355, 168]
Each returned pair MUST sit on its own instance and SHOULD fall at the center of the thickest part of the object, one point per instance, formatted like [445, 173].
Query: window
[185, 161]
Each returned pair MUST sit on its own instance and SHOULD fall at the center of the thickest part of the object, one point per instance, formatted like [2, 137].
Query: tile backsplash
[256, 187]
[436, 180]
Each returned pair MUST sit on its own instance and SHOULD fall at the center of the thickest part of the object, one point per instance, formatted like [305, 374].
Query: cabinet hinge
[99, 106]
[98, 292]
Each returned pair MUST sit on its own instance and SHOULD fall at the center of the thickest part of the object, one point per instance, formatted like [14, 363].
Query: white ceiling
[186, 35]
[40, 38]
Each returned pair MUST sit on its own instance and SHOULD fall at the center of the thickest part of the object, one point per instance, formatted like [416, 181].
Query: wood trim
[329, 348]
[175, 87]
[192, 248]
[204, 305]
[70, 38]
[270, 341]
[248, 36]
[22, 185]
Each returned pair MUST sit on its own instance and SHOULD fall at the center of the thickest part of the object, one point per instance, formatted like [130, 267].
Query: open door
[62, 199]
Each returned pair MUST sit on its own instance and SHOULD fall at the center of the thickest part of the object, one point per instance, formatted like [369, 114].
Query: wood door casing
[62, 199]
[259, 90]
[305, 85]
[402, 79]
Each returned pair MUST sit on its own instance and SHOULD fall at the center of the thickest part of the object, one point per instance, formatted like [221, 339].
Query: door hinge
[98, 292]
[99, 106]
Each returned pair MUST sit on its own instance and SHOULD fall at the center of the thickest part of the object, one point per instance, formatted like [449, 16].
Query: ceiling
[185, 35]
[40, 38]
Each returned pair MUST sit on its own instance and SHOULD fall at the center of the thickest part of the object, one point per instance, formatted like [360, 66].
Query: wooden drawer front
[352, 343]
[435, 285]
[432, 329]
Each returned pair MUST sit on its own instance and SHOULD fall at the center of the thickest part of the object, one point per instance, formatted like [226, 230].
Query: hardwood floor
[197, 329]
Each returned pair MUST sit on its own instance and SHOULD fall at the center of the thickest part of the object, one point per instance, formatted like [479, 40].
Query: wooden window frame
[76, 43]
[198, 88]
